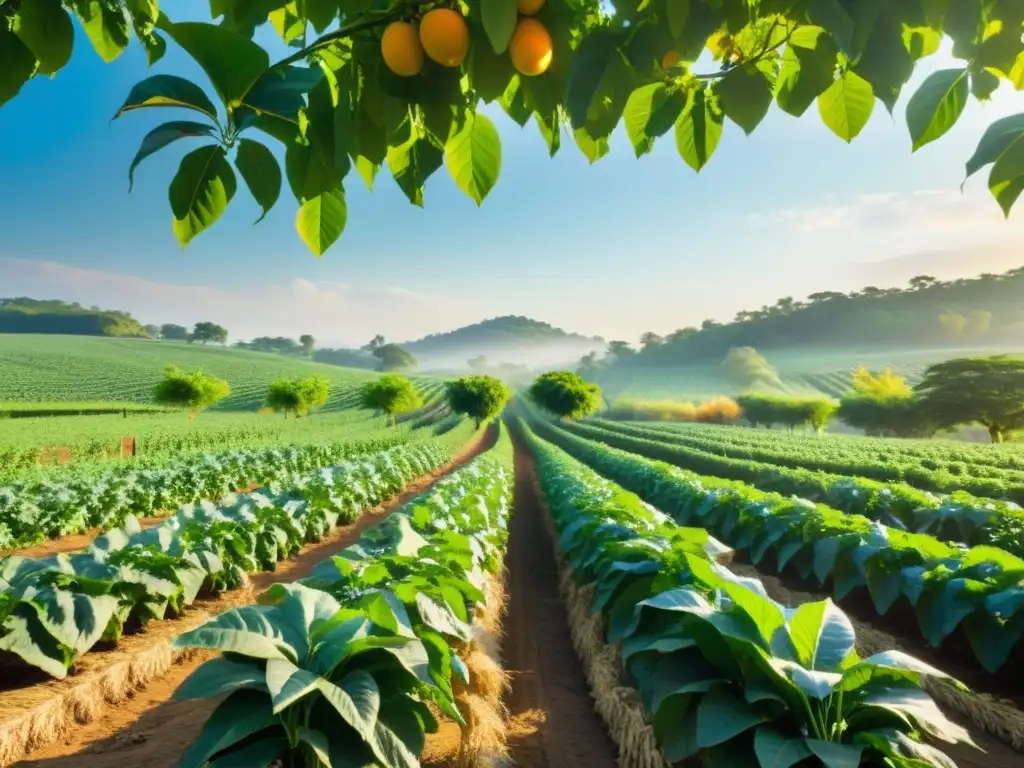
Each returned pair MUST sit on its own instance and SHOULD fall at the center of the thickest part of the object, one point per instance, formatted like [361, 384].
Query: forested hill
[510, 338]
[24, 315]
[987, 310]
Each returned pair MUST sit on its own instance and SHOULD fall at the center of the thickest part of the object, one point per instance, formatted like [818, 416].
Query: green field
[803, 372]
[41, 368]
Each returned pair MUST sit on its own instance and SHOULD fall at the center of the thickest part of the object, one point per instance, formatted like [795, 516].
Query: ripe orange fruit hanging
[530, 47]
[401, 49]
[669, 60]
[529, 7]
[445, 36]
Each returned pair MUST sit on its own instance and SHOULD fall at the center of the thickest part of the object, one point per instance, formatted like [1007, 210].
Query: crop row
[956, 518]
[54, 609]
[849, 456]
[946, 588]
[345, 667]
[725, 674]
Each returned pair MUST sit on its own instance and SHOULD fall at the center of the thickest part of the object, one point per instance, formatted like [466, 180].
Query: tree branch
[766, 48]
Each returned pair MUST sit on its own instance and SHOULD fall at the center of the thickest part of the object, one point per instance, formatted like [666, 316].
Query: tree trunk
[995, 433]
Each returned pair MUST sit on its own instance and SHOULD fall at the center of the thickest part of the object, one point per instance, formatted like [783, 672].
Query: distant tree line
[25, 315]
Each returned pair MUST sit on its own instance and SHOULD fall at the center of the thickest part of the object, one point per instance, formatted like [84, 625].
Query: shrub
[566, 395]
[769, 410]
[884, 383]
[391, 394]
[718, 410]
[479, 397]
[298, 396]
[193, 390]
[882, 415]
[746, 367]
[634, 409]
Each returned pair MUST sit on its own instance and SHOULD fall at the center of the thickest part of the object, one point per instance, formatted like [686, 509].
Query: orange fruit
[445, 36]
[669, 60]
[401, 49]
[529, 7]
[530, 47]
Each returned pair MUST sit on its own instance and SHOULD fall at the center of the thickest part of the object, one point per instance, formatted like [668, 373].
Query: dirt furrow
[152, 730]
[553, 721]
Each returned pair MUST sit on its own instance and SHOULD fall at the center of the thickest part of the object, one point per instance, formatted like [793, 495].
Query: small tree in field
[391, 394]
[566, 395]
[479, 397]
[393, 358]
[298, 396]
[983, 390]
[307, 342]
[193, 390]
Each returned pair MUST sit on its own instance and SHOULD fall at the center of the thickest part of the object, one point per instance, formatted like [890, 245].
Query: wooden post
[127, 446]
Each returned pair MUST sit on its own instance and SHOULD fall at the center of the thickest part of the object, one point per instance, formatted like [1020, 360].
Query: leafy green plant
[298, 396]
[986, 390]
[349, 110]
[391, 394]
[194, 390]
[479, 397]
[566, 395]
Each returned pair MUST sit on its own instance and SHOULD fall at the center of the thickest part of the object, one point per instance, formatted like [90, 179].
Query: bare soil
[553, 720]
[151, 729]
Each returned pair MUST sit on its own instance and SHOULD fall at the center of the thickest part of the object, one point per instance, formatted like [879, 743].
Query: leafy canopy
[479, 397]
[864, 381]
[194, 390]
[298, 396]
[393, 358]
[336, 107]
[983, 390]
[391, 394]
[566, 395]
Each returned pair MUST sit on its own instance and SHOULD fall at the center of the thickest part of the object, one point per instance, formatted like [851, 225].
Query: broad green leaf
[593, 149]
[678, 13]
[163, 135]
[610, 97]
[106, 26]
[765, 614]
[260, 172]
[489, 72]
[258, 753]
[321, 220]
[168, 91]
[821, 634]
[499, 19]
[238, 717]
[937, 105]
[221, 675]
[357, 699]
[200, 191]
[17, 63]
[1006, 179]
[698, 129]
[592, 59]
[831, 15]
[473, 157]
[25, 636]
[650, 112]
[807, 69]
[996, 139]
[834, 755]
[983, 84]
[721, 716]
[744, 96]
[318, 742]
[232, 61]
[411, 165]
[287, 23]
[288, 683]
[46, 29]
[774, 750]
[249, 631]
[847, 105]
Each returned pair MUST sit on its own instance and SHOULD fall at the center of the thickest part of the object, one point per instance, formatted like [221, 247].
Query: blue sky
[616, 248]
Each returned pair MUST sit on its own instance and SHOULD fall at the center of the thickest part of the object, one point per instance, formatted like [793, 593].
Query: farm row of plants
[947, 588]
[54, 609]
[945, 469]
[958, 517]
[724, 673]
[343, 668]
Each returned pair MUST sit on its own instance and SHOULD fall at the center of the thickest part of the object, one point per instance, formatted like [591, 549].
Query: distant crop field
[54, 369]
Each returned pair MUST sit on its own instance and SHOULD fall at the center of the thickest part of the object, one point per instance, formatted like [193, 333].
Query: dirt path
[554, 724]
[149, 729]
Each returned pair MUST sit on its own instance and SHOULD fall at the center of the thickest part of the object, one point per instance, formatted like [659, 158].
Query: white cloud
[335, 313]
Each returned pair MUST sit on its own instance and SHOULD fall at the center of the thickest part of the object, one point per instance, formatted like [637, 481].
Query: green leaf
[593, 149]
[46, 29]
[499, 18]
[678, 13]
[257, 753]
[260, 172]
[611, 96]
[17, 63]
[288, 683]
[650, 112]
[163, 135]
[105, 25]
[847, 105]
[744, 96]
[473, 156]
[698, 129]
[835, 755]
[489, 72]
[411, 165]
[321, 220]
[232, 61]
[937, 105]
[831, 15]
[807, 69]
[1006, 179]
[774, 750]
[200, 191]
[996, 139]
[983, 84]
[721, 716]
[821, 635]
[168, 91]
[357, 699]
[219, 676]
[319, 743]
[594, 56]
[238, 717]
